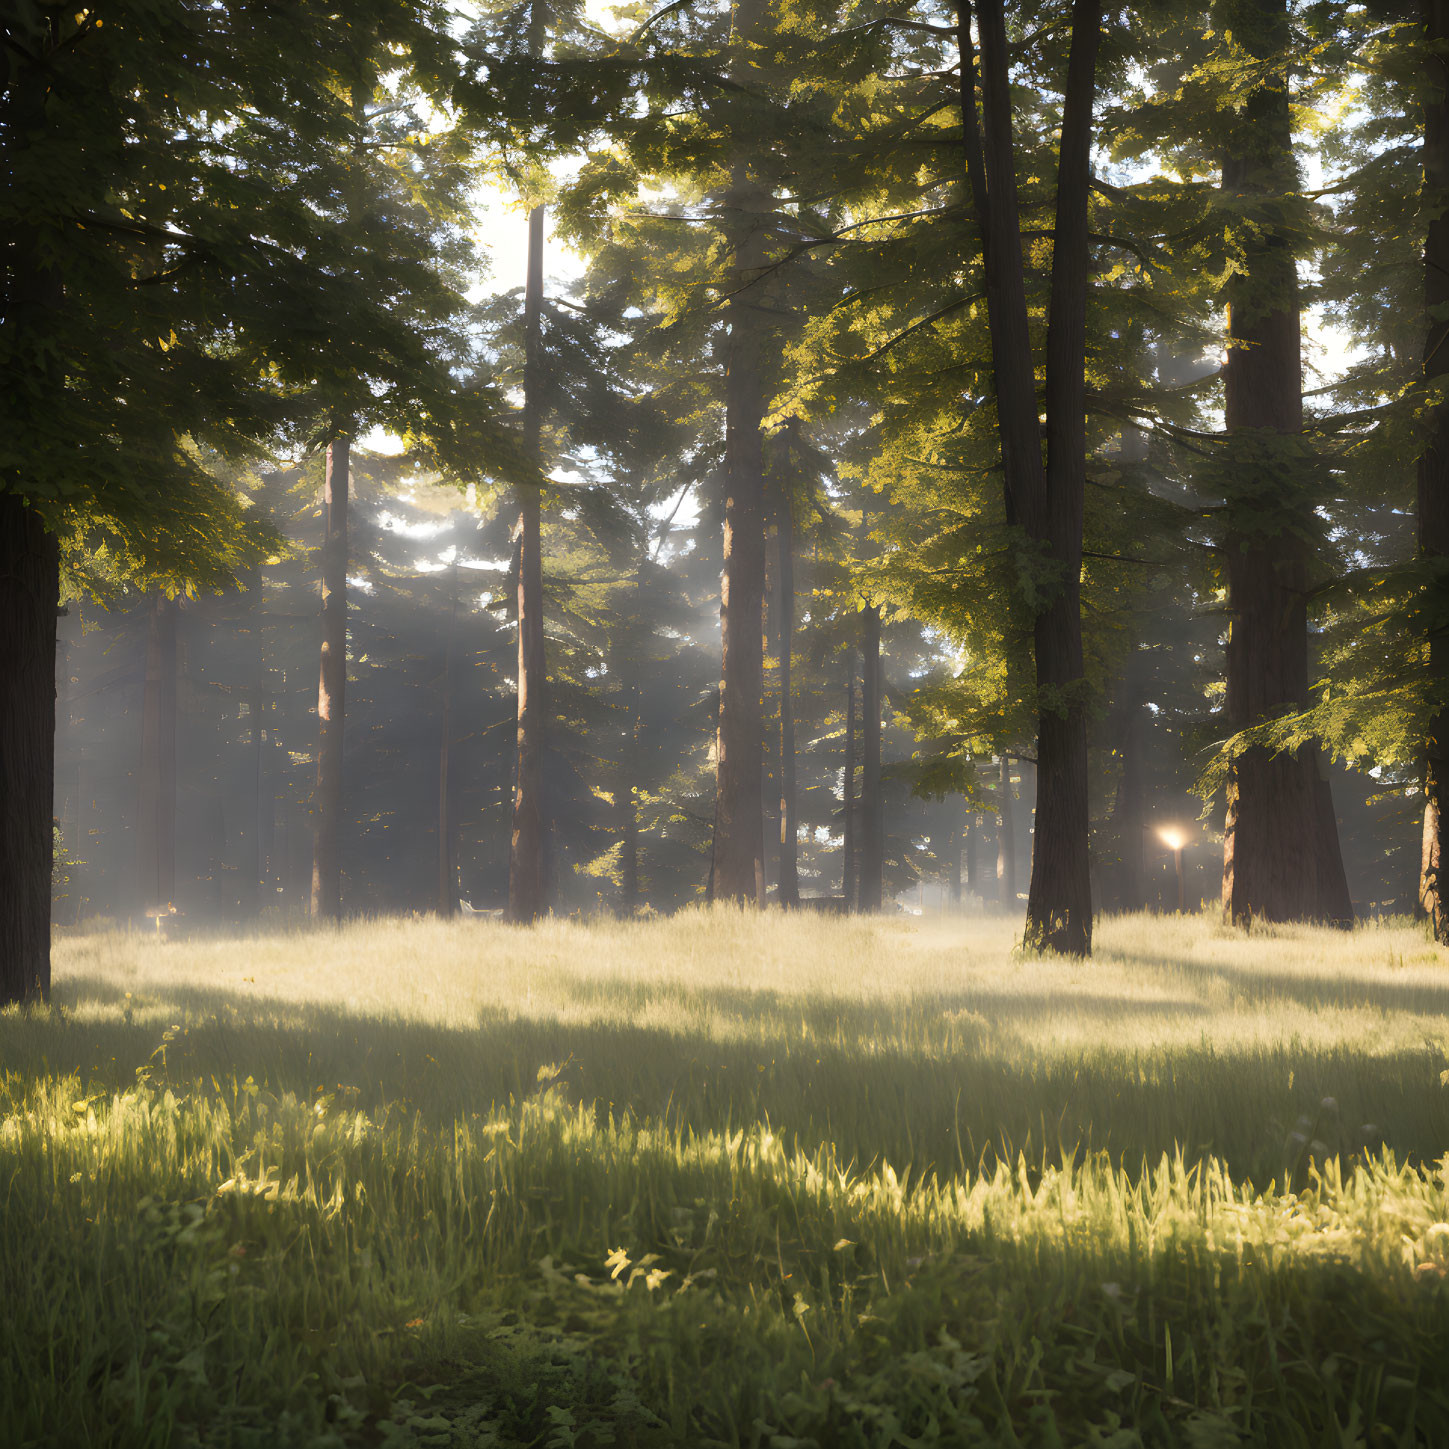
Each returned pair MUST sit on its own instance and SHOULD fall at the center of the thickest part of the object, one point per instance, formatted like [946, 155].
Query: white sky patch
[501, 230]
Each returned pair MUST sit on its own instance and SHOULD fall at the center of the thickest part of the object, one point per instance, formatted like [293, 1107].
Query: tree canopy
[1046, 396]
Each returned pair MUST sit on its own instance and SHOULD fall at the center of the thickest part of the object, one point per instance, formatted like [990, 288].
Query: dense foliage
[238, 235]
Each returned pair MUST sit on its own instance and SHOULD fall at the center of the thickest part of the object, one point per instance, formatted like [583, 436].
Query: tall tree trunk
[29, 588]
[1281, 856]
[527, 863]
[739, 840]
[1047, 501]
[739, 828]
[770, 817]
[1429, 903]
[78, 899]
[447, 855]
[973, 880]
[785, 620]
[626, 792]
[872, 814]
[1335, 901]
[261, 804]
[69, 905]
[527, 889]
[29, 598]
[1006, 838]
[1128, 724]
[272, 837]
[253, 837]
[1433, 480]
[67, 771]
[326, 900]
[1059, 904]
[332, 688]
[156, 817]
[849, 875]
[953, 868]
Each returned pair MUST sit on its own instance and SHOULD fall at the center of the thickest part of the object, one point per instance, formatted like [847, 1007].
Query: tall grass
[729, 1179]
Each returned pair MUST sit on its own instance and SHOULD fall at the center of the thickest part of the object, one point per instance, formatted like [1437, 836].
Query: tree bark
[527, 888]
[991, 173]
[67, 773]
[1429, 903]
[973, 881]
[1059, 903]
[527, 863]
[29, 598]
[1281, 856]
[872, 814]
[785, 620]
[261, 803]
[627, 800]
[626, 794]
[78, 899]
[332, 688]
[739, 841]
[1045, 500]
[849, 876]
[447, 855]
[1433, 471]
[156, 817]
[739, 830]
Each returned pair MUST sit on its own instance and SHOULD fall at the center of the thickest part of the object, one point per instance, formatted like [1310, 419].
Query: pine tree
[326, 900]
[1046, 499]
[785, 533]
[527, 892]
[1433, 469]
[1276, 803]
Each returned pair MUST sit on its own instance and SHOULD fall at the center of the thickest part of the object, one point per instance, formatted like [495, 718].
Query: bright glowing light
[1173, 839]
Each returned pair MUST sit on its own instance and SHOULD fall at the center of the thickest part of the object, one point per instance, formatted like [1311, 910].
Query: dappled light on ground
[921, 1042]
[729, 1179]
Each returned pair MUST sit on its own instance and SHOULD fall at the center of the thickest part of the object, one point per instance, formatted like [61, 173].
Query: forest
[724, 722]
[1046, 406]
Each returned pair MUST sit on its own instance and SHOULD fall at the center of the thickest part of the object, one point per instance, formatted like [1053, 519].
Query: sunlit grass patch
[729, 1179]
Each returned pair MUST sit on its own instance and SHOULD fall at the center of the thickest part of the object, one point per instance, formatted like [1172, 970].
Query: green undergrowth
[549, 1189]
[226, 1266]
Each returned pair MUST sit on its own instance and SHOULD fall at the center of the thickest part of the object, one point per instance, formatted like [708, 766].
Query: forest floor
[723, 1179]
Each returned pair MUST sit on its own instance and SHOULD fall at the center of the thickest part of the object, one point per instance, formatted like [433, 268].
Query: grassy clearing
[725, 1179]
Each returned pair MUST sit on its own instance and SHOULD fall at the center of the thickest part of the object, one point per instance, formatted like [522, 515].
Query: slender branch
[912, 75]
[1160, 563]
[658, 15]
[926, 321]
[1107, 239]
[192, 259]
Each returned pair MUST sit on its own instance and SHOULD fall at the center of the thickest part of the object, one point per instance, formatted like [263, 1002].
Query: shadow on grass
[816, 1314]
[1310, 991]
[818, 1070]
[869, 1019]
